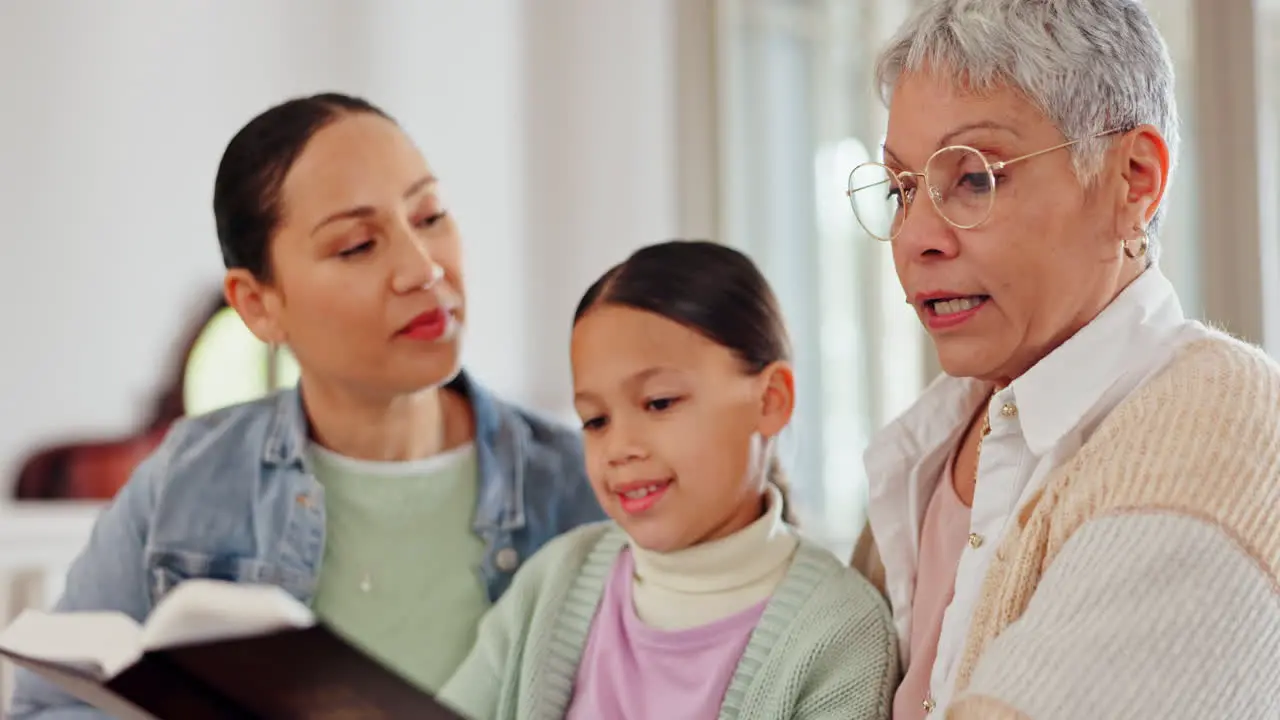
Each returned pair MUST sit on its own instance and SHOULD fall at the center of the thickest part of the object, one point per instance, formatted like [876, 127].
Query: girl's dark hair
[709, 288]
[246, 192]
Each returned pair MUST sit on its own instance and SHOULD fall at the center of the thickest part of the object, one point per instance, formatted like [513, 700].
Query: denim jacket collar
[499, 444]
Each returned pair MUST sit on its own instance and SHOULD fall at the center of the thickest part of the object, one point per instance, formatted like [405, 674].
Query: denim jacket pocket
[166, 569]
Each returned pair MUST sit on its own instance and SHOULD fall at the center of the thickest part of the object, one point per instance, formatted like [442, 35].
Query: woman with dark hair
[699, 599]
[389, 491]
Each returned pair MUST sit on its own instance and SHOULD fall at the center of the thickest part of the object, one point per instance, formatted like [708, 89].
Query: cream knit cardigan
[1143, 580]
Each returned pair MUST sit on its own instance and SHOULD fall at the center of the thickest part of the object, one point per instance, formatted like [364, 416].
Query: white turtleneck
[711, 581]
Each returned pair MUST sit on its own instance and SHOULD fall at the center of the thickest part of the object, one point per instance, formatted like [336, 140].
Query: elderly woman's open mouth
[946, 309]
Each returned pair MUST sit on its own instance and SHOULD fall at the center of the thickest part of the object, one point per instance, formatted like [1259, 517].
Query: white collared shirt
[1037, 423]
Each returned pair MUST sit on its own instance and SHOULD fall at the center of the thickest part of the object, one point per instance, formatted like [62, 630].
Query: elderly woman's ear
[1144, 168]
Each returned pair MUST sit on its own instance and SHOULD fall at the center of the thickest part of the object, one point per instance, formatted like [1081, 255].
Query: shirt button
[928, 705]
[507, 559]
[975, 540]
[1009, 410]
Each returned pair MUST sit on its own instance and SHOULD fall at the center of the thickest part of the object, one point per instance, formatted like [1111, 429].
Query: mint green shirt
[401, 570]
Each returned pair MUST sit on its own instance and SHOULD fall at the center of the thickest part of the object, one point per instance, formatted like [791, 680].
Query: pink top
[942, 540]
[630, 670]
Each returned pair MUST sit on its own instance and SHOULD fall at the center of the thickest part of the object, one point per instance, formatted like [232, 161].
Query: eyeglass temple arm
[897, 176]
[998, 166]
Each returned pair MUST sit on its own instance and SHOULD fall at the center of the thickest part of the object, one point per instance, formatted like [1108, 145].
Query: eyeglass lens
[960, 185]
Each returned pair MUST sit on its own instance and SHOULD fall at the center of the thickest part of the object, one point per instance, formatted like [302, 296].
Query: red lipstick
[429, 326]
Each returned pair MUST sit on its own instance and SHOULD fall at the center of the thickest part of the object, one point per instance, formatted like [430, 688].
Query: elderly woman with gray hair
[1078, 520]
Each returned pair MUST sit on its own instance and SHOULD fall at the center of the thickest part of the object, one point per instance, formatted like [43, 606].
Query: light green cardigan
[824, 648]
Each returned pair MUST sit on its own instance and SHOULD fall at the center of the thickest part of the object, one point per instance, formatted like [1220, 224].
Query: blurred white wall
[555, 130]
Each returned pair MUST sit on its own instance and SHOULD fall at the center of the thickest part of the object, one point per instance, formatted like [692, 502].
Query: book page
[200, 611]
[96, 644]
[89, 691]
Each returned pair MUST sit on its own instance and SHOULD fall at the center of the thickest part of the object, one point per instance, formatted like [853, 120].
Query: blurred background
[567, 133]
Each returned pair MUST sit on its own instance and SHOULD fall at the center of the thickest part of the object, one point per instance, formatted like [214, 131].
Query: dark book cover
[213, 650]
[298, 674]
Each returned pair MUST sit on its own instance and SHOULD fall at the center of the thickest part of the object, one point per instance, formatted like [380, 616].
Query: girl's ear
[777, 398]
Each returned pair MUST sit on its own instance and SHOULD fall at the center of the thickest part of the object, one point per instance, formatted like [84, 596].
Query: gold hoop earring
[1142, 247]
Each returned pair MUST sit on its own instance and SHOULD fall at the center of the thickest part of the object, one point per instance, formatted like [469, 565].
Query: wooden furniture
[95, 468]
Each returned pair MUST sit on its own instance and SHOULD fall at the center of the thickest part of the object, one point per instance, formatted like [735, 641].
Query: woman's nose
[924, 233]
[414, 268]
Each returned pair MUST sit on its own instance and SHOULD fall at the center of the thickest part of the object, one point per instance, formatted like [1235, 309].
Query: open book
[214, 650]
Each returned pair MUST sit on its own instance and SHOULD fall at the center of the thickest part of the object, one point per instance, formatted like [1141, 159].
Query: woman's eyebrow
[952, 134]
[364, 211]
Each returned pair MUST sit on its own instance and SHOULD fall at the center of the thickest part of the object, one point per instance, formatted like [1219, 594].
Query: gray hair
[1088, 65]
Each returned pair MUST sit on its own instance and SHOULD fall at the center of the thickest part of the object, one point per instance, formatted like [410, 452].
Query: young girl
[699, 600]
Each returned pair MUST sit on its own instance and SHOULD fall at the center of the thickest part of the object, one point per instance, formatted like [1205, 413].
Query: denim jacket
[229, 496]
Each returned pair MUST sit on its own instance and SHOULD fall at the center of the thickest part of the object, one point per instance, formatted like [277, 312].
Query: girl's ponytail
[777, 477]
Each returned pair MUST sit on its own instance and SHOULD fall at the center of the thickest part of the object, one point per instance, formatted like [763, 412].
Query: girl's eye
[661, 404]
[594, 423]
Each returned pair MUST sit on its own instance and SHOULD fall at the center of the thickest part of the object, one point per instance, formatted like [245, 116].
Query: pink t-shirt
[942, 540]
[631, 671]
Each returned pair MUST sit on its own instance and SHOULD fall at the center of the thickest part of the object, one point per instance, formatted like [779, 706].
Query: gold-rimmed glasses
[960, 180]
